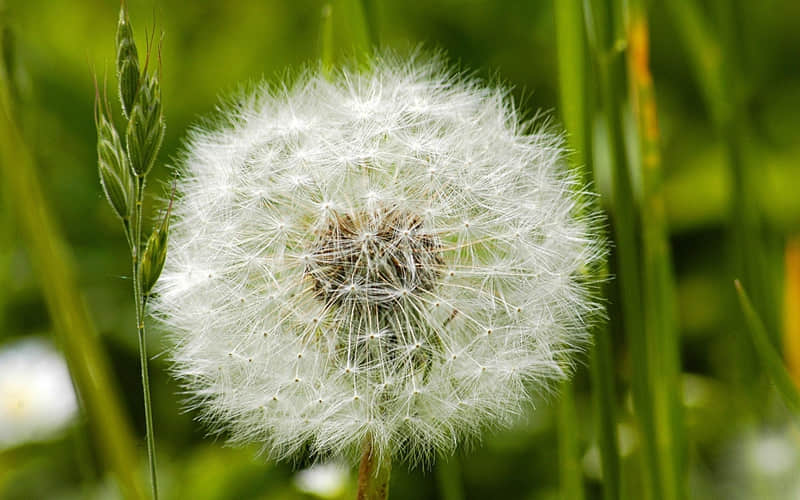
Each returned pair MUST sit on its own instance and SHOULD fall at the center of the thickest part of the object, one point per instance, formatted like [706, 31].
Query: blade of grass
[351, 33]
[607, 40]
[577, 112]
[663, 355]
[326, 39]
[570, 473]
[77, 336]
[712, 61]
[769, 358]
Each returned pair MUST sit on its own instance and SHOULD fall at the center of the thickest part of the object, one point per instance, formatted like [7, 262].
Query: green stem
[577, 109]
[373, 473]
[769, 358]
[141, 302]
[326, 39]
[569, 464]
[720, 78]
[661, 329]
[604, 398]
[609, 40]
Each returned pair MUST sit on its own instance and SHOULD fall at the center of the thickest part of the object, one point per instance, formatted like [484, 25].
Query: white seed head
[386, 252]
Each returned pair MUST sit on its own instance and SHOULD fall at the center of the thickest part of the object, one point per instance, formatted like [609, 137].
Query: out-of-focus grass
[76, 333]
[607, 41]
[769, 359]
[661, 323]
[578, 112]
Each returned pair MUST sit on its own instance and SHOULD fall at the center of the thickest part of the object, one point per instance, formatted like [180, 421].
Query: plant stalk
[578, 111]
[660, 311]
[373, 473]
[609, 40]
[141, 302]
[71, 321]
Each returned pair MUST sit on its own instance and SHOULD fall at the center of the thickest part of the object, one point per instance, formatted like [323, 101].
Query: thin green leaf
[768, 356]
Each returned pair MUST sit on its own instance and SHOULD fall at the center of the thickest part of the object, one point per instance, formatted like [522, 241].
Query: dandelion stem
[373, 473]
[141, 302]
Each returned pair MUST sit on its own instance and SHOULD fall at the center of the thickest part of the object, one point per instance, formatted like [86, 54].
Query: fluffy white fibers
[386, 252]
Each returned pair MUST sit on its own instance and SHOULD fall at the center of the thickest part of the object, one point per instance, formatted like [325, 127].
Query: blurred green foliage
[210, 48]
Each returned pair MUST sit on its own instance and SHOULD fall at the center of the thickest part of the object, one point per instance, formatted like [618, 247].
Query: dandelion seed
[409, 234]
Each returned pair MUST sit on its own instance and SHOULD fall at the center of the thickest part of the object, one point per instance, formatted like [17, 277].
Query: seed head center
[373, 258]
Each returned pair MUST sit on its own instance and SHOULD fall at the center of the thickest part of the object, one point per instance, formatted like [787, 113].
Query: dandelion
[327, 480]
[386, 261]
[36, 395]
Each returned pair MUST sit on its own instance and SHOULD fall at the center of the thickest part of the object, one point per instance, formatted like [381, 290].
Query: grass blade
[769, 358]
[606, 38]
[577, 112]
[663, 354]
[570, 472]
[76, 333]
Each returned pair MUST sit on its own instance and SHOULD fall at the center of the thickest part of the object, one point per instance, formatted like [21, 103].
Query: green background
[210, 48]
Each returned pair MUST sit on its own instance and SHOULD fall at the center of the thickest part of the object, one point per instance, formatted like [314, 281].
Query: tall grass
[714, 52]
[660, 313]
[74, 329]
[577, 111]
[617, 32]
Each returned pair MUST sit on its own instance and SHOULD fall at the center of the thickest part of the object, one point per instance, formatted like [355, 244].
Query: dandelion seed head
[387, 252]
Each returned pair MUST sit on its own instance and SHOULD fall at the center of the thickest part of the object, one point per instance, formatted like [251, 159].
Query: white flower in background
[759, 463]
[387, 253]
[323, 480]
[36, 395]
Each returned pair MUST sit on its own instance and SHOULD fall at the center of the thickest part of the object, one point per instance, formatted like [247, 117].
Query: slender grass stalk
[604, 401]
[607, 39]
[123, 172]
[768, 357]
[712, 60]
[76, 333]
[371, 10]
[141, 302]
[661, 330]
[577, 111]
[570, 473]
[326, 38]
[351, 28]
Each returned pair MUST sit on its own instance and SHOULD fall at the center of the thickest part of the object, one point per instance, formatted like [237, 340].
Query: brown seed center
[373, 258]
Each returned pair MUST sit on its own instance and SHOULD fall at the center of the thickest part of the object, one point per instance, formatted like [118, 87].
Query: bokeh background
[740, 445]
